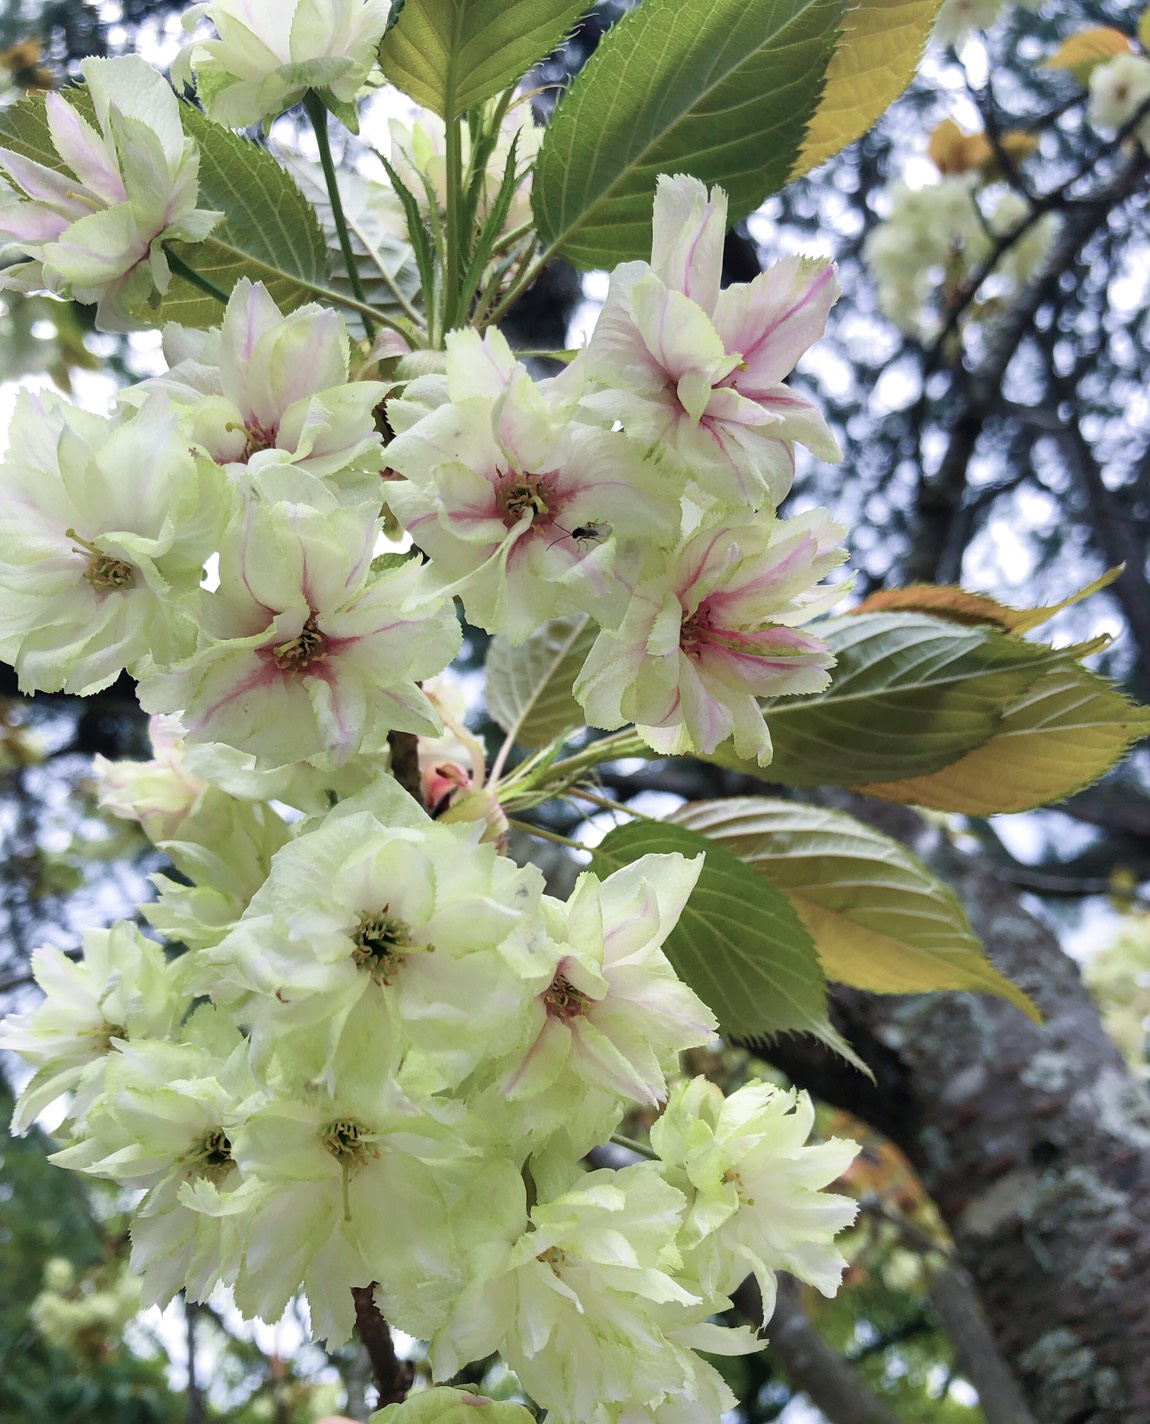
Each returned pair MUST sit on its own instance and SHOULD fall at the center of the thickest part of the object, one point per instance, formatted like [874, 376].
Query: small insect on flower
[584, 534]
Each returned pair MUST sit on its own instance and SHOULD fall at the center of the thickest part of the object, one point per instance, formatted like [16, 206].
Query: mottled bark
[1033, 1141]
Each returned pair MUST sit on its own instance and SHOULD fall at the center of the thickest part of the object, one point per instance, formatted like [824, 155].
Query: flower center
[103, 1034]
[350, 1145]
[377, 941]
[210, 1156]
[348, 1142]
[695, 632]
[732, 1178]
[260, 437]
[554, 1257]
[526, 494]
[298, 653]
[103, 571]
[565, 1002]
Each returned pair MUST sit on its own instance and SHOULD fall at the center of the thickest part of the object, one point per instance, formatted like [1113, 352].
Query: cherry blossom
[108, 524]
[269, 397]
[271, 52]
[714, 632]
[305, 651]
[98, 236]
[696, 374]
[523, 513]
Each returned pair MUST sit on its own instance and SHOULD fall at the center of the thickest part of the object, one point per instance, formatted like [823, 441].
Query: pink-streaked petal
[775, 318]
[48, 185]
[706, 718]
[688, 231]
[678, 334]
[34, 223]
[251, 313]
[89, 156]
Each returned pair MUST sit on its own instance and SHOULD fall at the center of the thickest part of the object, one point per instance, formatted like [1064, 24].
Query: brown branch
[1112, 533]
[392, 1375]
[941, 495]
[405, 762]
[813, 1366]
[196, 1406]
[956, 1304]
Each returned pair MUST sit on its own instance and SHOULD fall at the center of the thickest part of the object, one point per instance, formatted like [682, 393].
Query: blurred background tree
[987, 369]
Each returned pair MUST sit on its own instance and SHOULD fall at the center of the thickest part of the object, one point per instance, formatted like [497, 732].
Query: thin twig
[392, 1375]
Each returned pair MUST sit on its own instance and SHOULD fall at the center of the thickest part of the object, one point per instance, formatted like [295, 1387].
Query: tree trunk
[1034, 1143]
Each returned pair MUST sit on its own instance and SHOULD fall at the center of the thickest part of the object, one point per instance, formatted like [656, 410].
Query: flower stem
[605, 802]
[313, 107]
[181, 269]
[528, 829]
[640, 1149]
[618, 744]
[454, 263]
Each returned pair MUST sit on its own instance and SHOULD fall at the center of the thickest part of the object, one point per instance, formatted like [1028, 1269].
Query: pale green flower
[576, 1299]
[444, 1405]
[271, 52]
[754, 1186]
[694, 373]
[340, 1187]
[713, 632]
[612, 1016]
[269, 397]
[122, 990]
[408, 939]
[166, 1116]
[306, 651]
[1118, 89]
[527, 514]
[107, 526]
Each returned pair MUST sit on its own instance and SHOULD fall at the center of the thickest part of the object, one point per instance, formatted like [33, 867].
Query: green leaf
[383, 260]
[1060, 735]
[739, 943]
[451, 55]
[418, 233]
[529, 686]
[909, 694]
[879, 919]
[881, 44]
[271, 233]
[721, 89]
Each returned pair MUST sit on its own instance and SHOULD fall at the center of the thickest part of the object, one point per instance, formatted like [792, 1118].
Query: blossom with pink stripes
[522, 512]
[269, 397]
[96, 229]
[714, 632]
[696, 373]
[305, 650]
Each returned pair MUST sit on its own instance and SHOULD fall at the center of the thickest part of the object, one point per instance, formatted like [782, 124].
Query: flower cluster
[397, 1026]
[935, 238]
[370, 1048]
[640, 487]
[253, 448]
[1119, 90]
